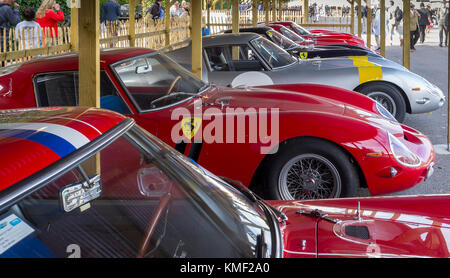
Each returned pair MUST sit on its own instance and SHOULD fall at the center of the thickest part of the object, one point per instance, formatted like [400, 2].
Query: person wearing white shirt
[28, 31]
[176, 10]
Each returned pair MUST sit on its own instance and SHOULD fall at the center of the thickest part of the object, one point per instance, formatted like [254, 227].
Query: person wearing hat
[443, 23]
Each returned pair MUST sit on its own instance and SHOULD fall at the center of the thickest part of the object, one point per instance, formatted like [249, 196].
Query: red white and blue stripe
[61, 139]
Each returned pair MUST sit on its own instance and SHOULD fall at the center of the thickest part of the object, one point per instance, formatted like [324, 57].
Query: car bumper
[386, 175]
[423, 102]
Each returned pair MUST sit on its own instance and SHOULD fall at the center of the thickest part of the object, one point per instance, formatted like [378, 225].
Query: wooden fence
[26, 43]
[21, 45]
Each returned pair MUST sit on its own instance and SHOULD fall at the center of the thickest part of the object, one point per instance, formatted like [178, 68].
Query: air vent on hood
[361, 232]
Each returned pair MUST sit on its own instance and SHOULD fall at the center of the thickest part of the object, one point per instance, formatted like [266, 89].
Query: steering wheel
[152, 225]
[173, 85]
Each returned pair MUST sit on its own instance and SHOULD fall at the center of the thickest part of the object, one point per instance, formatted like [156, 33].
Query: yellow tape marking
[367, 71]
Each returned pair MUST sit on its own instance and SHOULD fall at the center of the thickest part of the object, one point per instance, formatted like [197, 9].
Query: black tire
[275, 171]
[389, 96]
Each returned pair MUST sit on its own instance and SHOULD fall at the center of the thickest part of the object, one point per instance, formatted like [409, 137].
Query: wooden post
[132, 22]
[74, 29]
[167, 19]
[352, 16]
[369, 24]
[383, 28]
[359, 19]
[406, 33]
[266, 11]
[235, 26]
[280, 10]
[255, 12]
[89, 53]
[235, 16]
[208, 14]
[274, 10]
[89, 65]
[305, 12]
[196, 36]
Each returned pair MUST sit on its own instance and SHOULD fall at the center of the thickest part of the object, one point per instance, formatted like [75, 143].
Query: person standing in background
[442, 24]
[48, 15]
[364, 18]
[155, 10]
[187, 10]
[414, 27]
[424, 20]
[110, 11]
[391, 20]
[376, 27]
[176, 10]
[431, 13]
[28, 31]
[8, 16]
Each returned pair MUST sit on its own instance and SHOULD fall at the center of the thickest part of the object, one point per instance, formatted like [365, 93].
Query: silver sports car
[247, 59]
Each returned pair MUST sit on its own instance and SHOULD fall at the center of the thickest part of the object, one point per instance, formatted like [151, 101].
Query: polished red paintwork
[407, 226]
[337, 115]
[27, 137]
[401, 226]
[326, 38]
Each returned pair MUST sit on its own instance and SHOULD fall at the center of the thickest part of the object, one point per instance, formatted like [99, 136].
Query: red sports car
[323, 38]
[90, 183]
[285, 141]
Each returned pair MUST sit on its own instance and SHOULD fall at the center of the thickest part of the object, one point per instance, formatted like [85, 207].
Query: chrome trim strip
[31, 184]
[277, 237]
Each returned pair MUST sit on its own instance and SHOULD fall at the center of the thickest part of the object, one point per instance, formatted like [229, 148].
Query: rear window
[61, 89]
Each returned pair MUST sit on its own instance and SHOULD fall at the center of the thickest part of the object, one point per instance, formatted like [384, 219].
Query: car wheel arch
[374, 82]
[255, 181]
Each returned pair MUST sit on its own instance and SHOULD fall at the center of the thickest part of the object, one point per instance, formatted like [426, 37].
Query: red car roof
[69, 61]
[32, 139]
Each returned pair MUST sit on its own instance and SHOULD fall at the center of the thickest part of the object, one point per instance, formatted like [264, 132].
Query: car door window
[221, 58]
[61, 89]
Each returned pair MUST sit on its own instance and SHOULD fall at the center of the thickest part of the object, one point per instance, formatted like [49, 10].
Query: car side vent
[361, 232]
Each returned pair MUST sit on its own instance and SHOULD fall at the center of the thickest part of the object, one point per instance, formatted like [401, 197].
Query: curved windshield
[291, 35]
[299, 29]
[281, 40]
[137, 198]
[153, 81]
[271, 53]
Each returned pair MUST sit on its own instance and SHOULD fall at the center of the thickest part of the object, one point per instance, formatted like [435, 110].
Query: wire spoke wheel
[309, 176]
[384, 99]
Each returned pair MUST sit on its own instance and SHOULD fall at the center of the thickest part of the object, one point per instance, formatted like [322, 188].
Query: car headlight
[384, 112]
[401, 152]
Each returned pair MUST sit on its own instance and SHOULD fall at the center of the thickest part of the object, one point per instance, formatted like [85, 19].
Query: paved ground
[430, 61]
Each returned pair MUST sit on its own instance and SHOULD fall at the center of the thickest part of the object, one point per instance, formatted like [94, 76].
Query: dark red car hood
[407, 226]
[306, 98]
[272, 97]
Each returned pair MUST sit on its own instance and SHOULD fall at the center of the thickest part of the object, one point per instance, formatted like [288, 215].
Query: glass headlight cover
[384, 112]
[401, 152]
